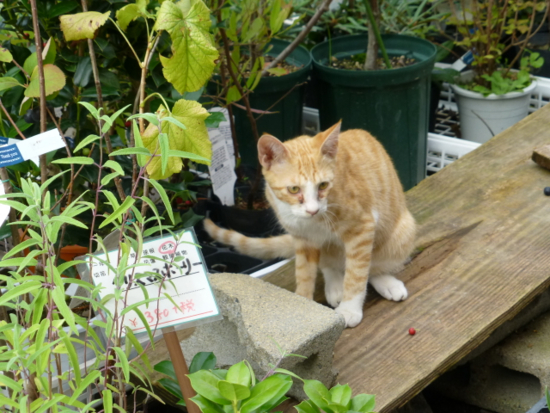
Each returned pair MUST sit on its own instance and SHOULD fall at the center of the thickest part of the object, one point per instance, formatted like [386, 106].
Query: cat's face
[300, 172]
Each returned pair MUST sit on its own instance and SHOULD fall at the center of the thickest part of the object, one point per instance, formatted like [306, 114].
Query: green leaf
[82, 25]
[232, 391]
[340, 394]
[5, 55]
[233, 94]
[26, 287]
[363, 403]
[194, 139]
[83, 72]
[79, 160]
[307, 406]
[115, 166]
[193, 51]
[54, 80]
[123, 363]
[164, 198]
[90, 108]
[107, 401]
[108, 178]
[164, 148]
[150, 117]
[25, 244]
[214, 119]
[174, 121]
[318, 393]
[207, 406]
[172, 386]
[125, 206]
[167, 367]
[129, 13]
[87, 140]
[239, 374]
[205, 383]
[131, 151]
[8, 83]
[203, 360]
[271, 389]
[189, 155]
[64, 7]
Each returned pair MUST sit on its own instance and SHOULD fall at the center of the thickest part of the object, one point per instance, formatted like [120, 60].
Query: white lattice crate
[443, 150]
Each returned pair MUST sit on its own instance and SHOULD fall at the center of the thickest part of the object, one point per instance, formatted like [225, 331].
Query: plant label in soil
[15, 151]
[166, 267]
[4, 209]
[222, 168]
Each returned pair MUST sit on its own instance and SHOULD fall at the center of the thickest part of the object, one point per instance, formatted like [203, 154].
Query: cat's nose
[313, 212]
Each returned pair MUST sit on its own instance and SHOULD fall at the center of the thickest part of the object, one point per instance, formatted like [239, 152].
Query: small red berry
[412, 331]
[188, 203]
[26, 35]
[127, 124]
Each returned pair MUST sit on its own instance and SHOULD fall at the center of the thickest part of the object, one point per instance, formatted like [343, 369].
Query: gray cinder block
[258, 316]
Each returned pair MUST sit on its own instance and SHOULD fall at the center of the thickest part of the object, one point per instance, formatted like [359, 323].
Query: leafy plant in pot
[392, 104]
[492, 96]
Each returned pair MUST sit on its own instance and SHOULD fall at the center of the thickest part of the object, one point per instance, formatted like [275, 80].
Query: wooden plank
[483, 242]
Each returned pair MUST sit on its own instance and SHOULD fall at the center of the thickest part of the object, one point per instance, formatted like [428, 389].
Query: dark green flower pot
[393, 105]
[283, 95]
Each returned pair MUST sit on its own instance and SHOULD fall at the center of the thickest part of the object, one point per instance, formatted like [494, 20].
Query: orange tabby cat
[340, 200]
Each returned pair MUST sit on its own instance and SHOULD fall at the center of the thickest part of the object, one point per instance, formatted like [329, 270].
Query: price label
[169, 266]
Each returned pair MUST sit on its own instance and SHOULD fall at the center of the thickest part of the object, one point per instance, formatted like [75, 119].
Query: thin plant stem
[43, 116]
[11, 120]
[377, 34]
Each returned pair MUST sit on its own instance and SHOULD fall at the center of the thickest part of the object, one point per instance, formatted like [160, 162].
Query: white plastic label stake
[222, 168]
[4, 209]
[185, 280]
[17, 151]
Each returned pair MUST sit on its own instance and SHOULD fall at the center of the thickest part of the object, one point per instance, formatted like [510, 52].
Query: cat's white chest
[316, 230]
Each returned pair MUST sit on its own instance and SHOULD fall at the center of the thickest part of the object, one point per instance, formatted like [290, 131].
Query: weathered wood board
[484, 242]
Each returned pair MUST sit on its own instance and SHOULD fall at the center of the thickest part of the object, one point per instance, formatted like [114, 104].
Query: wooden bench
[483, 255]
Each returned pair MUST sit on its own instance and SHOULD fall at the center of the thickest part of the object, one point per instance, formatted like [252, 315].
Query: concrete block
[259, 317]
[511, 376]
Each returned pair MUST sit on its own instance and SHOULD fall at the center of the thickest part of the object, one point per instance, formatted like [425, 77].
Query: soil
[283, 67]
[356, 62]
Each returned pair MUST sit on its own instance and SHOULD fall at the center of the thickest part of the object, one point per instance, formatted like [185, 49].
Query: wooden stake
[180, 368]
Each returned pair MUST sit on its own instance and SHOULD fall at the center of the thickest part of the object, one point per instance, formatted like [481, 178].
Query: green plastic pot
[393, 105]
[286, 93]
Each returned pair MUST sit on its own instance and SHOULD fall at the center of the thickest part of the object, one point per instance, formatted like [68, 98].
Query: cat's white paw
[352, 310]
[352, 316]
[389, 287]
[334, 292]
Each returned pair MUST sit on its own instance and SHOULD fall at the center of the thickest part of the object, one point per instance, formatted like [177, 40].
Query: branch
[290, 48]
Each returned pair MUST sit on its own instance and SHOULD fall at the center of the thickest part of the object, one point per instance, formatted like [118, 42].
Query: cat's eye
[323, 185]
[293, 189]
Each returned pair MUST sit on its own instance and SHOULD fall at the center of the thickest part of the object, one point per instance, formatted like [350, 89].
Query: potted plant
[492, 96]
[392, 104]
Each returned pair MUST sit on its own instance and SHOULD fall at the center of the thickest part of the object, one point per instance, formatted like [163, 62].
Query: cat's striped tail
[281, 246]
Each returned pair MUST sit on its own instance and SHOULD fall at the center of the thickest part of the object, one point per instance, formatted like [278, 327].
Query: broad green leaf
[214, 119]
[8, 83]
[193, 51]
[90, 108]
[205, 383]
[79, 160]
[131, 12]
[232, 391]
[271, 389]
[233, 94]
[194, 139]
[82, 25]
[5, 55]
[203, 360]
[239, 374]
[307, 406]
[318, 393]
[363, 403]
[54, 80]
[206, 405]
[166, 367]
[108, 178]
[340, 394]
[172, 386]
[115, 166]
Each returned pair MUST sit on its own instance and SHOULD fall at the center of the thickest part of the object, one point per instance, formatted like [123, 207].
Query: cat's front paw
[352, 314]
[389, 287]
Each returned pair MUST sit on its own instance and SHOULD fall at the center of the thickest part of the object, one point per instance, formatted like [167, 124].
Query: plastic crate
[443, 150]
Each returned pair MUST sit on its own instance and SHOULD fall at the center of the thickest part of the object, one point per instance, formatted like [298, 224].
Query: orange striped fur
[340, 200]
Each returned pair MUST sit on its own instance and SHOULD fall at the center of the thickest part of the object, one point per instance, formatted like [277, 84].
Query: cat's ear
[270, 150]
[330, 146]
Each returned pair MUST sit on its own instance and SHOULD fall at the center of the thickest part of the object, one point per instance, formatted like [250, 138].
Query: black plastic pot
[283, 95]
[393, 105]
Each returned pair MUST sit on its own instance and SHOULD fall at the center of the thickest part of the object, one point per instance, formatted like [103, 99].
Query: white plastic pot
[482, 117]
